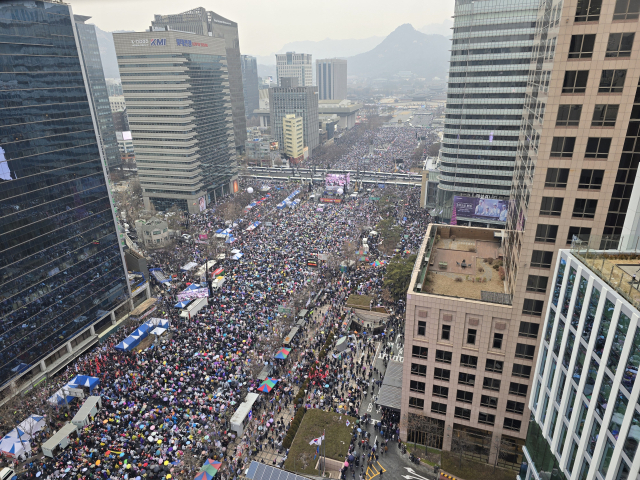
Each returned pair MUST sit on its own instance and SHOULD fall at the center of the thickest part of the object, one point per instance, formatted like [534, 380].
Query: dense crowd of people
[166, 408]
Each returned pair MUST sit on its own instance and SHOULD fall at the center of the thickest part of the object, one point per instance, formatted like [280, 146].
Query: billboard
[334, 179]
[236, 187]
[191, 294]
[203, 204]
[481, 208]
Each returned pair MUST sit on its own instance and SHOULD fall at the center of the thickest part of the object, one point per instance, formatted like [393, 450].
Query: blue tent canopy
[181, 304]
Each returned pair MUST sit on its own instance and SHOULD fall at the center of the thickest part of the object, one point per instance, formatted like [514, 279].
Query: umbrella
[211, 464]
[283, 353]
[203, 476]
[268, 385]
[210, 469]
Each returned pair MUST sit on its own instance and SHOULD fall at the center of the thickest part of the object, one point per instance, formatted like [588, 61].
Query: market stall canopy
[181, 304]
[62, 397]
[159, 275]
[14, 446]
[283, 353]
[188, 266]
[267, 385]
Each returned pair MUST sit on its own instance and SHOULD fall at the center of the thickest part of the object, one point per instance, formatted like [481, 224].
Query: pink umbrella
[346, 464]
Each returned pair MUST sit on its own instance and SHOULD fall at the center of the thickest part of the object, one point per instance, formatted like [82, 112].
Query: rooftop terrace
[463, 262]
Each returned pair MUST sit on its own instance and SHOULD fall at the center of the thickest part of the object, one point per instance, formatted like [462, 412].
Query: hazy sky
[265, 26]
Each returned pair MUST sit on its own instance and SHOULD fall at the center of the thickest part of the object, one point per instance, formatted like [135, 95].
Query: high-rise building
[490, 58]
[120, 121]
[203, 22]
[250, 85]
[177, 93]
[293, 134]
[114, 87]
[301, 101]
[331, 76]
[98, 90]
[585, 421]
[298, 65]
[62, 272]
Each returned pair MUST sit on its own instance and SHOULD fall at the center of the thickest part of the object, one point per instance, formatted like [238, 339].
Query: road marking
[373, 472]
[370, 408]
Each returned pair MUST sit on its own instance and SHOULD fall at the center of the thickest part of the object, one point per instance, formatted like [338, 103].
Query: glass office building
[61, 266]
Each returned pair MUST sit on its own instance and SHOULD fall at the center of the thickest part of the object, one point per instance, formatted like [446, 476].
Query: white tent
[33, 424]
[14, 446]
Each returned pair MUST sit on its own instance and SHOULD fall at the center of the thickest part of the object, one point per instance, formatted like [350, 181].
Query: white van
[7, 474]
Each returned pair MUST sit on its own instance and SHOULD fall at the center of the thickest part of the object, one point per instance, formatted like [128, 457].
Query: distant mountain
[404, 49]
[444, 28]
[107, 54]
[327, 48]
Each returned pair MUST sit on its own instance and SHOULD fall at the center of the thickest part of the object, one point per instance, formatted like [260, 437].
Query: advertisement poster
[191, 294]
[481, 208]
[203, 236]
[203, 204]
[236, 187]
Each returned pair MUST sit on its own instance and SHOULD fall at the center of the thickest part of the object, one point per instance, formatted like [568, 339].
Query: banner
[330, 200]
[191, 294]
[481, 208]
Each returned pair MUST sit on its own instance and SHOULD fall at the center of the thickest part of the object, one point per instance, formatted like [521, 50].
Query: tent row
[16, 442]
[157, 326]
[80, 382]
[287, 201]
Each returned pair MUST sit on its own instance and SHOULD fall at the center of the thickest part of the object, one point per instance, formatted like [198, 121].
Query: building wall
[250, 85]
[292, 64]
[302, 101]
[178, 164]
[490, 58]
[293, 134]
[585, 404]
[56, 238]
[331, 76]
[98, 90]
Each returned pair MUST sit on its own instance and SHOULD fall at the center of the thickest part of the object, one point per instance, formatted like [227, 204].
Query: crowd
[167, 408]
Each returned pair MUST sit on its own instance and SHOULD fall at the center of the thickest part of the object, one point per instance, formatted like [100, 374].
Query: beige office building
[292, 129]
[575, 170]
[295, 65]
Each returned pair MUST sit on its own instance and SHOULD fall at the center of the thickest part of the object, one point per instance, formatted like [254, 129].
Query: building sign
[480, 208]
[188, 43]
[158, 42]
[140, 42]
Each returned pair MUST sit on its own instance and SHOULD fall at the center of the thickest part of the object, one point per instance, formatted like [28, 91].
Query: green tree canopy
[398, 276]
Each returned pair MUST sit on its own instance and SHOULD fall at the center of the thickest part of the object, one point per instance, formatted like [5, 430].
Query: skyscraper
[293, 134]
[203, 22]
[301, 101]
[490, 57]
[98, 89]
[176, 90]
[62, 270]
[298, 65]
[331, 76]
[250, 85]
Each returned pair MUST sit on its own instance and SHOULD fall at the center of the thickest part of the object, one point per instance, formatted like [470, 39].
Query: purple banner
[191, 294]
[481, 208]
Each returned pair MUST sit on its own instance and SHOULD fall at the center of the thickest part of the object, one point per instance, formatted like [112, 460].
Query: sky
[265, 26]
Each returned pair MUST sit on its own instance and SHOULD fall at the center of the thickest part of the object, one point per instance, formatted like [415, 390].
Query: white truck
[194, 307]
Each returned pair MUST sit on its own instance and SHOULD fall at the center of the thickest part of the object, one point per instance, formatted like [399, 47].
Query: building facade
[295, 65]
[117, 103]
[125, 146]
[153, 233]
[294, 100]
[203, 22]
[250, 85]
[490, 58]
[62, 272]
[585, 420]
[114, 87]
[98, 90]
[120, 121]
[293, 134]
[331, 77]
[177, 93]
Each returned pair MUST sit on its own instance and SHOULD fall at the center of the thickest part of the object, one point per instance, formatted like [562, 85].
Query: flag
[348, 423]
[317, 441]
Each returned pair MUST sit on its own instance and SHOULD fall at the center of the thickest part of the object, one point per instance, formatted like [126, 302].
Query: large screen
[335, 179]
[481, 208]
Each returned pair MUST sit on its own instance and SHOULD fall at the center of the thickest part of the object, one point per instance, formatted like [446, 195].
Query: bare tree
[459, 443]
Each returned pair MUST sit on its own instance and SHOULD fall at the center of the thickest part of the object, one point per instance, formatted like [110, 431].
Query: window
[466, 379]
[417, 369]
[523, 371]
[541, 259]
[575, 81]
[463, 413]
[466, 397]
[487, 401]
[494, 365]
[626, 10]
[532, 307]
[487, 418]
[440, 408]
[419, 352]
[546, 233]
[619, 44]
[581, 46]
[562, 146]
[528, 329]
[537, 283]
[605, 115]
[422, 328]
[440, 391]
[591, 179]
[519, 389]
[444, 357]
[588, 10]
[416, 403]
[446, 332]
[598, 147]
[580, 233]
[568, 115]
[491, 384]
[515, 407]
[471, 336]
[416, 386]
[525, 351]
[441, 374]
[497, 341]
[468, 361]
[612, 81]
[512, 424]
[584, 208]
[551, 206]
[556, 178]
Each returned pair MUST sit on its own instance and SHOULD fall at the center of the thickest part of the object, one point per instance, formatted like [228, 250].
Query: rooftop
[463, 262]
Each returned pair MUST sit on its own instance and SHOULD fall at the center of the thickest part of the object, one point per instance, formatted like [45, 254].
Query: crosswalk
[373, 470]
